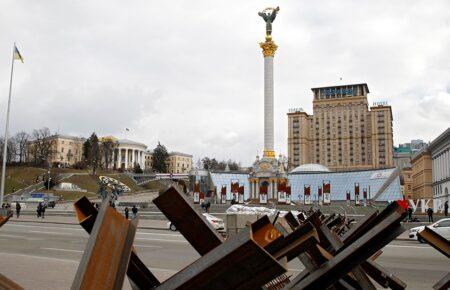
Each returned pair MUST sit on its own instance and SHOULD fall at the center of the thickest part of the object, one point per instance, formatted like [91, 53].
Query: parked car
[216, 222]
[441, 227]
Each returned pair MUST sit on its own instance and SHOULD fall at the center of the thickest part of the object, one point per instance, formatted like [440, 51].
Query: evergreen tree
[160, 156]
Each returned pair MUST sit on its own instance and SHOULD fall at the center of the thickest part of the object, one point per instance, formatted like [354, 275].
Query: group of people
[134, 211]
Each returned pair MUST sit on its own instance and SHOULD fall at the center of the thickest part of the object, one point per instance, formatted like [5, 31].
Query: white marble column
[126, 158]
[119, 158]
[268, 104]
[257, 190]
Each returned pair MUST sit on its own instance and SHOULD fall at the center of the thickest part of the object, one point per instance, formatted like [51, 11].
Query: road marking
[51, 233]
[157, 234]
[40, 257]
[20, 237]
[146, 246]
[58, 228]
[414, 247]
[64, 250]
[162, 240]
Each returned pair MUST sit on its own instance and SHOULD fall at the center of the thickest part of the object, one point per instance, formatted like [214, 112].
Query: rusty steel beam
[435, 240]
[359, 228]
[140, 276]
[364, 247]
[376, 272]
[8, 284]
[239, 263]
[192, 225]
[291, 220]
[443, 284]
[299, 241]
[4, 220]
[105, 259]
[382, 276]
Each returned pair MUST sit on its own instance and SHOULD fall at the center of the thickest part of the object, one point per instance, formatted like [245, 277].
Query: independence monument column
[269, 47]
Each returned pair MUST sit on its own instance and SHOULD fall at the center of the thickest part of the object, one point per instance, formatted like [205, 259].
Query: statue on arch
[269, 15]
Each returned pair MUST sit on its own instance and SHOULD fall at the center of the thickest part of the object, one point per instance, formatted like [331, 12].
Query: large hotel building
[343, 133]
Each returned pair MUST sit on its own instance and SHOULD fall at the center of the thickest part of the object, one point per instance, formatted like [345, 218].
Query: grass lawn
[19, 177]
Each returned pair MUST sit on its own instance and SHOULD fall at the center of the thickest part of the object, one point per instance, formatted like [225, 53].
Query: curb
[66, 223]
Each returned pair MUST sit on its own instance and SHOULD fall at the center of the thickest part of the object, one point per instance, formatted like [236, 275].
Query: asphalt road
[46, 256]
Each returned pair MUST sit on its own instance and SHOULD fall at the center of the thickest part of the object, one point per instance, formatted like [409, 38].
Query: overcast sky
[190, 73]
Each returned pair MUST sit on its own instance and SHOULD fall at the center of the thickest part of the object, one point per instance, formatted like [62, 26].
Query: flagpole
[5, 145]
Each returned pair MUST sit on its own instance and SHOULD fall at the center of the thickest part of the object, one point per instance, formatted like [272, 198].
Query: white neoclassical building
[129, 153]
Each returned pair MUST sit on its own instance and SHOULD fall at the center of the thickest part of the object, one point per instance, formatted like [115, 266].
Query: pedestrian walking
[43, 211]
[410, 212]
[446, 208]
[430, 214]
[126, 212]
[134, 210]
[39, 210]
[18, 208]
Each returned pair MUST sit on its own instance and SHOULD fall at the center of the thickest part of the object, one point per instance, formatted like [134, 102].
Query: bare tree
[22, 139]
[11, 151]
[44, 145]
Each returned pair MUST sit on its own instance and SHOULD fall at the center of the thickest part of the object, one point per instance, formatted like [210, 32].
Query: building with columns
[440, 157]
[129, 153]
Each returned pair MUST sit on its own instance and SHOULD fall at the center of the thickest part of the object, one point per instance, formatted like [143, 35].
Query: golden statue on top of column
[269, 47]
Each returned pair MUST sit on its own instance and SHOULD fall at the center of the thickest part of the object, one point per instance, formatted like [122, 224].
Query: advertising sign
[241, 194]
[307, 194]
[223, 194]
[288, 194]
[234, 191]
[263, 194]
[356, 193]
[197, 193]
[326, 192]
[319, 195]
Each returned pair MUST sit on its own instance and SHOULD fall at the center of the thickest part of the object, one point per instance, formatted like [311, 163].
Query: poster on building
[307, 194]
[234, 191]
[347, 197]
[356, 193]
[223, 194]
[196, 192]
[241, 194]
[263, 194]
[281, 194]
[288, 194]
[319, 195]
[365, 196]
[326, 192]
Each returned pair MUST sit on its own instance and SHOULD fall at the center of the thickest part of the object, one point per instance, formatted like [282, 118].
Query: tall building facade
[343, 133]
[440, 156]
[421, 165]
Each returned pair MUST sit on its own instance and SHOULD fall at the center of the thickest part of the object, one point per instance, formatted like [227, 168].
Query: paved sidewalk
[72, 220]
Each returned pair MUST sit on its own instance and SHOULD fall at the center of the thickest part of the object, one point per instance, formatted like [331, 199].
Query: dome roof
[311, 167]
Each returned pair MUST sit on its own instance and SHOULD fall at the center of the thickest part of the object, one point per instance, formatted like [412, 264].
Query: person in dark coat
[410, 212]
[39, 210]
[18, 208]
[126, 212]
[446, 208]
[430, 214]
[43, 210]
[134, 210]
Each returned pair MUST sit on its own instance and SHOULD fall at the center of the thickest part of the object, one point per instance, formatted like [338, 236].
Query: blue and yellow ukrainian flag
[17, 54]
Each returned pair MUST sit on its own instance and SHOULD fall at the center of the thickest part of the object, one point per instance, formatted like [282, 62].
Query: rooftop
[310, 167]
